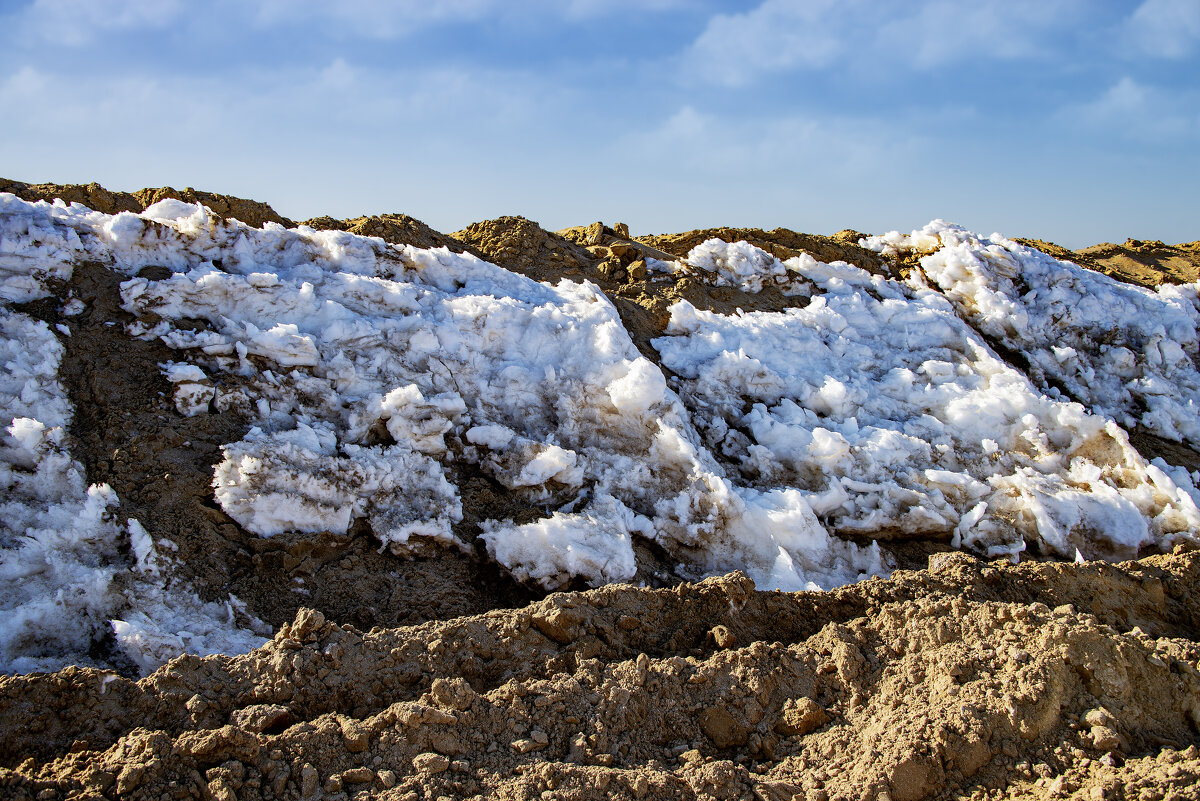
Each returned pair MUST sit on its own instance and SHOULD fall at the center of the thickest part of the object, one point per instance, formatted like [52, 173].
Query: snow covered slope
[897, 420]
[374, 375]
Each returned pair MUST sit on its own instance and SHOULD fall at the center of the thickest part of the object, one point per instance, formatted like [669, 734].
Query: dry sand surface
[442, 677]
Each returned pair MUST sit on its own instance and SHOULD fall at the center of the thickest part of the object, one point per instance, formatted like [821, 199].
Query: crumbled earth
[442, 677]
[967, 680]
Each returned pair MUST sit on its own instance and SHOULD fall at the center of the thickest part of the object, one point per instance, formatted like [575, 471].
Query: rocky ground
[442, 677]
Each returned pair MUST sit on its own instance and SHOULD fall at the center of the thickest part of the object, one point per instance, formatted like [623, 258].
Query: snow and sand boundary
[215, 424]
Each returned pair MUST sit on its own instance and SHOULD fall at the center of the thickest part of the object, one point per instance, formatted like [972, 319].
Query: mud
[440, 677]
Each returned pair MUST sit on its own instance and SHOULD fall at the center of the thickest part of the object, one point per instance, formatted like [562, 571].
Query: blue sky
[1073, 120]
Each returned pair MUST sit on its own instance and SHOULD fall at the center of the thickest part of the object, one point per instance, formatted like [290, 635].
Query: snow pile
[376, 375]
[373, 372]
[60, 545]
[1124, 351]
[895, 418]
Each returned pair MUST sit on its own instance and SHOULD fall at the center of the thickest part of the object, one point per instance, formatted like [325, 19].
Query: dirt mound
[1147, 263]
[781, 243]
[98, 198]
[523, 246]
[398, 229]
[971, 679]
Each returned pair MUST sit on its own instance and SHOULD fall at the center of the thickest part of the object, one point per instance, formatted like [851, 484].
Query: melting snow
[374, 373]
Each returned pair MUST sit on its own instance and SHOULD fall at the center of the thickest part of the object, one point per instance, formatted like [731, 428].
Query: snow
[60, 542]
[375, 375]
[892, 415]
[1125, 352]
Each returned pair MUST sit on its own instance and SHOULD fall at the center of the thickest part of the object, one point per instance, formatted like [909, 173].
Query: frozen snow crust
[375, 374]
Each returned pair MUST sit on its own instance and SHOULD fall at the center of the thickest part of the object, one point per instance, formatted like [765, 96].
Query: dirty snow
[374, 374]
[896, 419]
[1126, 352]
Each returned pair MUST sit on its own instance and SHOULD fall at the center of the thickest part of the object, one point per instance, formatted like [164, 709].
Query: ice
[736, 264]
[895, 419]
[596, 544]
[296, 481]
[1126, 352]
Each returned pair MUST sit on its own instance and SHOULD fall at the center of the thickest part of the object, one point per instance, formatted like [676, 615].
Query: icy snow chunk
[1124, 351]
[419, 422]
[143, 549]
[296, 481]
[36, 246]
[170, 209]
[595, 544]
[639, 389]
[493, 437]
[193, 399]
[182, 371]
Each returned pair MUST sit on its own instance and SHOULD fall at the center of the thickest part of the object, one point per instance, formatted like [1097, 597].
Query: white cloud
[78, 22]
[1131, 110]
[784, 35]
[770, 146]
[940, 32]
[1166, 28]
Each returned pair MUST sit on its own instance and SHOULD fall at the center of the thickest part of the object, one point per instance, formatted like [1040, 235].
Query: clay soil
[441, 677]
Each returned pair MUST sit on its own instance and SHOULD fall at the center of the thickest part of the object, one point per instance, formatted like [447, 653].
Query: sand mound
[972, 679]
[524, 247]
[98, 198]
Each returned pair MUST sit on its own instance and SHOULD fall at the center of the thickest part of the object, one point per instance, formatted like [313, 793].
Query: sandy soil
[442, 677]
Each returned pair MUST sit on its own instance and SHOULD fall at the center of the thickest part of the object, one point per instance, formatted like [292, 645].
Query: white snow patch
[1126, 352]
[892, 415]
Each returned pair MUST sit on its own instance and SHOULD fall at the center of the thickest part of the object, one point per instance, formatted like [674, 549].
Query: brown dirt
[968, 680]
[398, 229]
[523, 246]
[1146, 263]
[98, 198]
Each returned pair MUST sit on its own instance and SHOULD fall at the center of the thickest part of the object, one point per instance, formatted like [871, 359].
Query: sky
[1076, 121]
